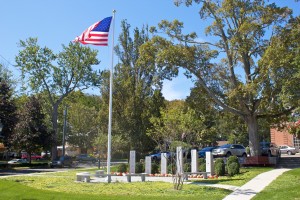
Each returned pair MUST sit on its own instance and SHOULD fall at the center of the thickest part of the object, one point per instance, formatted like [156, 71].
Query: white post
[194, 164]
[148, 164]
[163, 163]
[209, 163]
[179, 160]
[132, 162]
[110, 97]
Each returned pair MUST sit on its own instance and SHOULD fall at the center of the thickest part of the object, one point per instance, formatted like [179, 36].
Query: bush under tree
[233, 166]
[219, 167]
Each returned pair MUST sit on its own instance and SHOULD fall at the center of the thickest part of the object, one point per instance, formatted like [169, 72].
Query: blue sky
[57, 22]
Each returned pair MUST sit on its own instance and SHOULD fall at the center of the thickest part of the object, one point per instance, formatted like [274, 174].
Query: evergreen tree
[30, 133]
[8, 117]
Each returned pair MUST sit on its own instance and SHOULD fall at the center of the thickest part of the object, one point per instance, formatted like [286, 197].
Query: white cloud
[178, 88]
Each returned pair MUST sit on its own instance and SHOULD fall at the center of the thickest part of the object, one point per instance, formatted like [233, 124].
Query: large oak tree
[227, 66]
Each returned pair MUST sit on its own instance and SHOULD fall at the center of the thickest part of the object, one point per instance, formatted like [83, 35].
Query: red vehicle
[33, 156]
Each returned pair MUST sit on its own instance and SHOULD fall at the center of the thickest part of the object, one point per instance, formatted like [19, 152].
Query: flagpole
[110, 97]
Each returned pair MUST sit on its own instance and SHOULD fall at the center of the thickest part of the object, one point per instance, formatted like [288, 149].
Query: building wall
[281, 137]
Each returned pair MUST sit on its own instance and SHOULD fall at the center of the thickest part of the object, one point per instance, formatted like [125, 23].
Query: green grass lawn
[61, 185]
[64, 188]
[286, 186]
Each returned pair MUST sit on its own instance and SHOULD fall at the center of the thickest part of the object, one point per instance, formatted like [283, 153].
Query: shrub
[187, 167]
[172, 168]
[201, 161]
[219, 167]
[154, 168]
[139, 167]
[233, 165]
[122, 168]
[202, 167]
[233, 169]
[232, 159]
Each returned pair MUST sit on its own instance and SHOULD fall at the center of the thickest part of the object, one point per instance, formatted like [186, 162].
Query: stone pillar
[194, 162]
[209, 163]
[148, 164]
[179, 160]
[164, 163]
[132, 162]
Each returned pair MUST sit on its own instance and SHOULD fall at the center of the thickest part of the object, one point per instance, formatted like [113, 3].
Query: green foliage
[122, 167]
[178, 124]
[139, 167]
[6, 75]
[233, 165]
[172, 168]
[187, 167]
[202, 164]
[202, 167]
[233, 169]
[137, 93]
[241, 40]
[71, 73]
[219, 167]
[8, 112]
[201, 161]
[154, 168]
[84, 125]
[31, 133]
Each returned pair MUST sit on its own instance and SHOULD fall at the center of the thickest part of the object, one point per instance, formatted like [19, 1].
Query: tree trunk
[54, 126]
[252, 124]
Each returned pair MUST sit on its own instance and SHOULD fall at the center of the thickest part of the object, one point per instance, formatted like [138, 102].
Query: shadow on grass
[215, 181]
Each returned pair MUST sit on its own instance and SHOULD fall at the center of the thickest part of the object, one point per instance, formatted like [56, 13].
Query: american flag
[97, 34]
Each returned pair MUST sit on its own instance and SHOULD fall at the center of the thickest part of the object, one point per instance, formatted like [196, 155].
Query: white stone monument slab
[209, 163]
[132, 162]
[148, 164]
[164, 163]
[179, 160]
[194, 162]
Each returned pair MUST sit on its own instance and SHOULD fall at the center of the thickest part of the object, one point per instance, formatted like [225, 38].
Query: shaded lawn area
[286, 186]
[246, 174]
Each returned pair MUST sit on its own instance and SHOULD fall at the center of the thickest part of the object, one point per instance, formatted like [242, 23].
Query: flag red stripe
[95, 37]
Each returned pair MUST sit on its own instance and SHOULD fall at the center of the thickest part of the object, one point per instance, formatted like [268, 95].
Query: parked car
[63, 161]
[45, 154]
[85, 158]
[202, 152]
[285, 149]
[187, 152]
[33, 156]
[157, 156]
[17, 161]
[230, 150]
[269, 149]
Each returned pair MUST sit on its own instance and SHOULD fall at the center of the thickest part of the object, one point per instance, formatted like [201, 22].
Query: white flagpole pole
[110, 96]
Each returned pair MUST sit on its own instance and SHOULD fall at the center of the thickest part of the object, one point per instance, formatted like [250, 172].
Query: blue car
[202, 152]
[157, 156]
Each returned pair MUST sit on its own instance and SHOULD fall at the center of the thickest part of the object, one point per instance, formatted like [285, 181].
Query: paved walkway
[254, 186]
